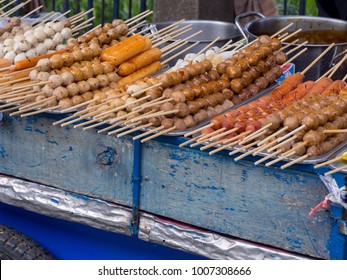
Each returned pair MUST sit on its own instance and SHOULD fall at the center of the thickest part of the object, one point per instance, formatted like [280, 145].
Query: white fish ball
[67, 33]
[20, 57]
[8, 42]
[48, 43]
[41, 49]
[58, 38]
[44, 64]
[49, 32]
[31, 39]
[60, 47]
[40, 35]
[10, 56]
[58, 26]
[31, 53]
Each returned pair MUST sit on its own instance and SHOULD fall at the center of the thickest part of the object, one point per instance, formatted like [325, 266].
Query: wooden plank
[256, 203]
[79, 161]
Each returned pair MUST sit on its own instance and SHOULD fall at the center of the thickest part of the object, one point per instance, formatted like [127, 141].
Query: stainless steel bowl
[210, 31]
[270, 25]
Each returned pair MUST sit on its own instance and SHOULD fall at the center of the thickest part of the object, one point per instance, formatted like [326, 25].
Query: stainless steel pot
[270, 25]
[210, 31]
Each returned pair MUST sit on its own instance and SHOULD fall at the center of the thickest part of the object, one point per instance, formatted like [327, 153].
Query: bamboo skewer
[80, 15]
[180, 52]
[282, 36]
[133, 28]
[268, 157]
[291, 35]
[205, 137]
[297, 47]
[245, 154]
[256, 134]
[148, 132]
[40, 111]
[335, 170]
[329, 161]
[167, 29]
[82, 25]
[198, 130]
[279, 159]
[294, 57]
[42, 18]
[272, 135]
[9, 12]
[337, 66]
[134, 129]
[287, 46]
[291, 133]
[62, 15]
[122, 128]
[158, 134]
[190, 141]
[245, 147]
[138, 17]
[295, 161]
[282, 143]
[281, 30]
[227, 143]
[335, 131]
[208, 46]
[7, 5]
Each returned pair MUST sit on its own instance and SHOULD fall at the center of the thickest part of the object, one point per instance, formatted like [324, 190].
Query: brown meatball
[167, 122]
[87, 71]
[68, 59]
[73, 89]
[103, 80]
[65, 103]
[97, 68]
[77, 99]
[87, 96]
[77, 73]
[56, 61]
[60, 92]
[189, 121]
[83, 86]
[107, 67]
[180, 124]
[94, 83]
[183, 110]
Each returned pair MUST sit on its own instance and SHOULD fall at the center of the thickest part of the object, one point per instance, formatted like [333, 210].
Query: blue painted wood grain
[257, 203]
[79, 161]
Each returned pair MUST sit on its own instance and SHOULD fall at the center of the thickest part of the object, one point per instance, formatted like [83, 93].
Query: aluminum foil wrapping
[205, 243]
[58, 203]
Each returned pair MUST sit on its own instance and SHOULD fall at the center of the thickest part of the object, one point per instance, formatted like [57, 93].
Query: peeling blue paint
[53, 142]
[28, 128]
[2, 152]
[40, 131]
[70, 149]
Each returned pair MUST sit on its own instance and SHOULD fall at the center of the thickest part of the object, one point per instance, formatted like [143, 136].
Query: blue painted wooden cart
[211, 206]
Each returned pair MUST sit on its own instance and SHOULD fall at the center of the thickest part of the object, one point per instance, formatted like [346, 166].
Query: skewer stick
[7, 5]
[286, 154]
[244, 147]
[23, 97]
[11, 11]
[138, 17]
[282, 36]
[291, 133]
[77, 106]
[30, 105]
[101, 115]
[91, 30]
[222, 134]
[14, 81]
[282, 143]
[297, 47]
[295, 161]
[335, 170]
[133, 28]
[168, 28]
[190, 141]
[328, 162]
[49, 18]
[198, 130]
[122, 128]
[158, 102]
[294, 57]
[42, 18]
[174, 44]
[179, 53]
[62, 15]
[291, 35]
[223, 147]
[318, 58]
[157, 114]
[247, 153]
[263, 147]
[337, 66]
[279, 159]
[9, 75]
[272, 135]
[208, 46]
[33, 11]
[25, 110]
[174, 48]
[268, 156]
[256, 133]
[335, 131]
[134, 129]
[162, 41]
[80, 14]
[148, 132]
[238, 44]
[281, 30]
[287, 46]
[158, 134]
[82, 25]
[227, 143]
[344, 78]
[206, 136]
[40, 111]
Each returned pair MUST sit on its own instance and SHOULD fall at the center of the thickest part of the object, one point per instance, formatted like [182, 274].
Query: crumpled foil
[58, 203]
[205, 243]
